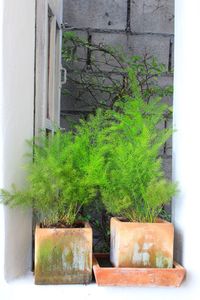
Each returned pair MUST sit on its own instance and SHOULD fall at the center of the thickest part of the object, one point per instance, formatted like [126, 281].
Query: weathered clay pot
[145, 245]
[63, 255]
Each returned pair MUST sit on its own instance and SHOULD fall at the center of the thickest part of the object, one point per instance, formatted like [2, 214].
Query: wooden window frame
[47, 68]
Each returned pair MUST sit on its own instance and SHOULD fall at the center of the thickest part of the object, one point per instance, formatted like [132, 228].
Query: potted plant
[132, 183]
[57, 191]
[99, 89]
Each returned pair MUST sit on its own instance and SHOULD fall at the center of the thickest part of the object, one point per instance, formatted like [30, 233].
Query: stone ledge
[23, 288]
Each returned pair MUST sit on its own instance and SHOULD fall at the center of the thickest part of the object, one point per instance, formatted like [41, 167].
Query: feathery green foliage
[56, 187]
[115, 154]
[126, 145]
[125, 163]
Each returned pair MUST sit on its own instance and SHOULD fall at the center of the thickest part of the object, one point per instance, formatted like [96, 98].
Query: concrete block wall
[138, 26]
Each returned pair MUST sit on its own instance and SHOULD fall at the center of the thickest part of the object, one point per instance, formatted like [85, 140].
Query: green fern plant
[125, 163]
[114, 155]
[56, 186]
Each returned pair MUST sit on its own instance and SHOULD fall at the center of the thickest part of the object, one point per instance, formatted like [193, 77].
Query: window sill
[24, 288]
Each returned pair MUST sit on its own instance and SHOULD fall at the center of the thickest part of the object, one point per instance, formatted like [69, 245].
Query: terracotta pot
[106, 275]
[145, 245]
[63, 255]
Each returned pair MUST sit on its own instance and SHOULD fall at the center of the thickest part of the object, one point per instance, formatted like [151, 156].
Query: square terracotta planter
[107, 275]
[63, 255]
[141, 245]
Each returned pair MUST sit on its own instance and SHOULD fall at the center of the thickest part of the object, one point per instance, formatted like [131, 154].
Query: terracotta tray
[107, 275]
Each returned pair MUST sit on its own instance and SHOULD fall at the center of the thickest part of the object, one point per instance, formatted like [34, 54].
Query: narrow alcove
[15, 228]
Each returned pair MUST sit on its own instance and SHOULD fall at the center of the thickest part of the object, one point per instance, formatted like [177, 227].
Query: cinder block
[172, 53]
[153, 46]
[156, 16]
[80, 98]
[167, 166]
[79, 52]
[164, 81]
[72, 99]
[101, 14]
[105, 61]
[119, 40]
[169, 142]
[75, 96]
[68, 121]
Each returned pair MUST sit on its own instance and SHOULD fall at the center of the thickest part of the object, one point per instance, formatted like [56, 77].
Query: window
[47, 67]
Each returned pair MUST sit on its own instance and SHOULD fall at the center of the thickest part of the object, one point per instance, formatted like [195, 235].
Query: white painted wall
[2, 228]
[186, 142]
[16, 123]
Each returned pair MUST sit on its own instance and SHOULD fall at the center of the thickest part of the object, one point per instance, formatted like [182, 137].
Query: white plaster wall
[16, 123]
[2, 228]
[186, 142]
